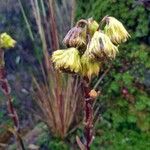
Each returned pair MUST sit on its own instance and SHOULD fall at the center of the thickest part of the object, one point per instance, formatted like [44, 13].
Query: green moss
[58, 145]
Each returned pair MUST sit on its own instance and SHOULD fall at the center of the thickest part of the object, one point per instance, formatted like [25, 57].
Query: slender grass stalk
[59, 94]
[101, 78]
[26, 21]
[36, 10]
[53, 25]
[73, 12]
[46, 23]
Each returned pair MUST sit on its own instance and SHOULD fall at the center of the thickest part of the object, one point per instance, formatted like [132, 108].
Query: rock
[33, 147]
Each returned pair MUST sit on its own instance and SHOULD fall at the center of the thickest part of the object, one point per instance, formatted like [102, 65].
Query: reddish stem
[12, 112]
[88, 114]
[87, 129]
[6, 90]
[15, 120]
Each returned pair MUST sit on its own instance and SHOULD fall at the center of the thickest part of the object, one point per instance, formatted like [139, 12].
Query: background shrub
[126, 88]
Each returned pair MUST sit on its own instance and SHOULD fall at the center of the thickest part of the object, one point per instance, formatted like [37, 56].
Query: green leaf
[127, 78]
[140, 105]
[114, 87]
[132, 118]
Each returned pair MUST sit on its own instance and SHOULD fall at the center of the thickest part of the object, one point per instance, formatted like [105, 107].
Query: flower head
[100, 47]
[76, 37]
[115, 30]
[6, 41]
[92, 26]
[89, 67]
[68, 60]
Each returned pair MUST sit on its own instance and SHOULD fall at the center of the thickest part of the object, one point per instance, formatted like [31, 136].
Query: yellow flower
[115, 30]
[101, 47]
[6, 41]
[76, 37]
[89, 67]
[67, 59]
[92, 26]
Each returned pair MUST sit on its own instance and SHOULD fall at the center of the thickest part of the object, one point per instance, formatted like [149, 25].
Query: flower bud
[67, 60]
[115, 30]
[93, 94]
[6, 41]
[92, 26]
[76, 37]
[89, 67]
[100, 47]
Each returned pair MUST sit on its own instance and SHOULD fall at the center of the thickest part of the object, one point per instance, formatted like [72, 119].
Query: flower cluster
[6, 41]
[89, 46]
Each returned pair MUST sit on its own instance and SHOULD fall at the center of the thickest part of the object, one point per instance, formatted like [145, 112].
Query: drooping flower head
[89, 67]
[76, 37]
[67, 59]
[100, 47]
[92, 26]
[115, 30]
[6, 41]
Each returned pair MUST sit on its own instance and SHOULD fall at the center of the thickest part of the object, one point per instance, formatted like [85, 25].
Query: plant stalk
[5, 87]
[14, 116]
[88, 118]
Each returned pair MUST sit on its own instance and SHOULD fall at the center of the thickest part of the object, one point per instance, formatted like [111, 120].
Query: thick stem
[88, 121]
[87, 128]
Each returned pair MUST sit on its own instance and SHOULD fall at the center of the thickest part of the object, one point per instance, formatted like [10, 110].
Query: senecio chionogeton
[88, 46]
[6, 41]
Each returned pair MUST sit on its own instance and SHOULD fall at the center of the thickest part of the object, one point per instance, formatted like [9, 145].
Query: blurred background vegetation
[126, 89]
[124, 103]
